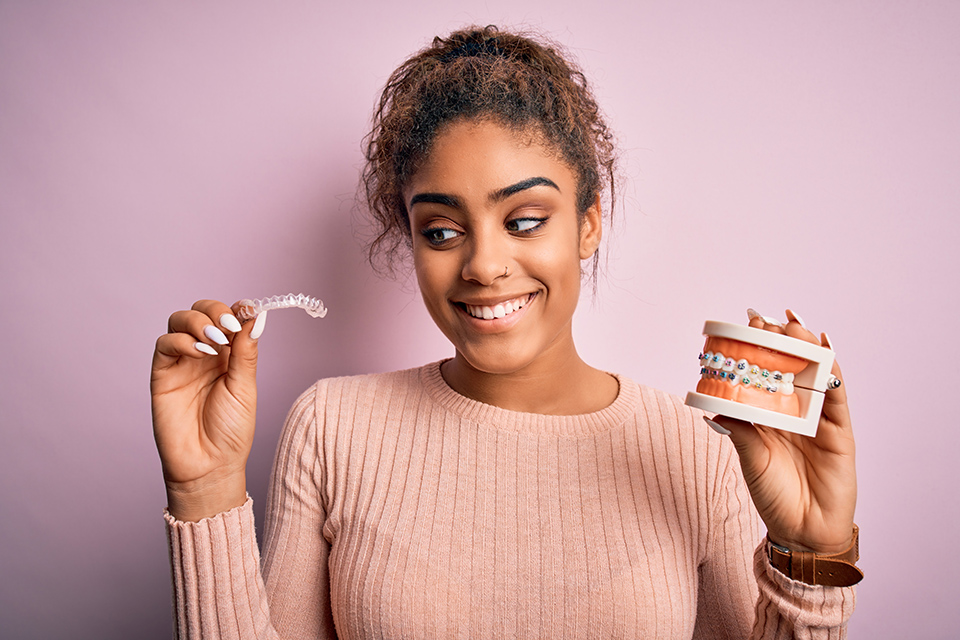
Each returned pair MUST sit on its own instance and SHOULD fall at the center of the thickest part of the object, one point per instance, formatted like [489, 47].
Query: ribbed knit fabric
[401, 509]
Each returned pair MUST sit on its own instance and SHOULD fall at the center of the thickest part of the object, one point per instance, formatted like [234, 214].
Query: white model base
[775, 419]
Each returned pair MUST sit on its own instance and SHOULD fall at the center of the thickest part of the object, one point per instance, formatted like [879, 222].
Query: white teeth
[716, 361]
[497, 311]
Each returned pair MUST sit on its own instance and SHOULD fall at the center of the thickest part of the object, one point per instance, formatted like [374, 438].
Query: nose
[486, 259]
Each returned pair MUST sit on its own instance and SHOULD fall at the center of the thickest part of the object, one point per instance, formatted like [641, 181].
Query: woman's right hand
[203, 387]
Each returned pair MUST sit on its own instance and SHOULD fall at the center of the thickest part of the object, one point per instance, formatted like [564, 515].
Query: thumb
[744, 435]
[244, 349]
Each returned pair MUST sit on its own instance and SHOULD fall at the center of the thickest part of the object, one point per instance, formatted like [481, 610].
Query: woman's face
[497, 246]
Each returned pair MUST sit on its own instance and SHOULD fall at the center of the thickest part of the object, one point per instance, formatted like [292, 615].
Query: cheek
[433, 271]
[562, 259]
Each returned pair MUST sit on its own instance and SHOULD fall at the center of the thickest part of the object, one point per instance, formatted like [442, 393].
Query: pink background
[776, 154]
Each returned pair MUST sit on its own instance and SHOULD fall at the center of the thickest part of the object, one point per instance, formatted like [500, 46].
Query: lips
[498, 310]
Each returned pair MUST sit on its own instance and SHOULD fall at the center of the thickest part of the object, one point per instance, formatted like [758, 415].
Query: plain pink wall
[801, 154]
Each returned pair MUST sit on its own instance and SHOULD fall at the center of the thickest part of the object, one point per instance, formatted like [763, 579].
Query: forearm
[217, 585]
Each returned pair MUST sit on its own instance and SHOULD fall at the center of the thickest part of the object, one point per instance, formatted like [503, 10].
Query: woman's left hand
[805, 489]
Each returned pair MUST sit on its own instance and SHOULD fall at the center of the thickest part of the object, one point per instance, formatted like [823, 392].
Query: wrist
[798, 547]
[827, 569]
[194, 501]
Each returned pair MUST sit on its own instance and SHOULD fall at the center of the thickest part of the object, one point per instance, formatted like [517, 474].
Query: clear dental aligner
[740, 372]
[250, 309]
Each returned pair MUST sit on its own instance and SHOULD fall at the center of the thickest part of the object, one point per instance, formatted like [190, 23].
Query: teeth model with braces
[741, 372]
[804, 387]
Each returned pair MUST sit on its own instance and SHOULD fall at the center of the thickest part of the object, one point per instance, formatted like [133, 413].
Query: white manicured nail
[258, 325]
[229, 322]
[793, 316]
[203, 347]
[215, 334]
[716, 427]
[825, 340]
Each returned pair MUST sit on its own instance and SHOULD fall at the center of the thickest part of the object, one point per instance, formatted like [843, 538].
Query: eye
[438, 235]
[524, 225]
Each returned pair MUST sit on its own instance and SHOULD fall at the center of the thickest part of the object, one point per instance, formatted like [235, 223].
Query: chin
[493, 360]
[750, 374]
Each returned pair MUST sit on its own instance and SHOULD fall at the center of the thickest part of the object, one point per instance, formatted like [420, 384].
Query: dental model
[250, 309]
[762, 377]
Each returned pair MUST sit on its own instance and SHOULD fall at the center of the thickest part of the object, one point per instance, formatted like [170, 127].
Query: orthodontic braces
[716, 366]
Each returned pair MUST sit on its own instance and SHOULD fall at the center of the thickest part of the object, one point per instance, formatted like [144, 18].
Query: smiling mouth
[499, 310]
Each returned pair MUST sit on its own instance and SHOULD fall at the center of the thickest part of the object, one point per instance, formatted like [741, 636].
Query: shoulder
[336, 410]
[677, 433]
[370, 385]
[663, 411]
[349, 395]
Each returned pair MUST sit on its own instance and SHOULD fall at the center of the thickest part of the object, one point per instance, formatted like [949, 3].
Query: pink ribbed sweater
[401, 509]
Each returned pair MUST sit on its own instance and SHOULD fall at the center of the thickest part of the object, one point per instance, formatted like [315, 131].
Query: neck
[566, 385]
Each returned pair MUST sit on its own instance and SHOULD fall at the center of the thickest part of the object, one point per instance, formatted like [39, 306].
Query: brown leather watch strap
[837, 570]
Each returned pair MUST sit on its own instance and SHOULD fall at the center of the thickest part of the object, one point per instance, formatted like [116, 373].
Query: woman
[513, 490]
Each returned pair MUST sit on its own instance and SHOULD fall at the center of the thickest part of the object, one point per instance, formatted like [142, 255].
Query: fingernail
[258, 325]
[825, 341]
[752, 313]
[229, 322]
[215, 334]
[795, 318]
[716, 427]
[205, 348]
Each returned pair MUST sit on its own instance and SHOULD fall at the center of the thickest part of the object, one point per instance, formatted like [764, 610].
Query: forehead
[469, 156]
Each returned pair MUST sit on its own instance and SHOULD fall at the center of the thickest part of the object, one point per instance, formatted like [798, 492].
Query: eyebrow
[497, 196]
[436, 198]
[523, 185]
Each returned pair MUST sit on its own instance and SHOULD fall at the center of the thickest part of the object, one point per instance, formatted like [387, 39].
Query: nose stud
[506, 271]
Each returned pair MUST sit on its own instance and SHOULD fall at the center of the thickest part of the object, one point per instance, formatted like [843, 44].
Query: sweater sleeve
[737, 579]
[219, 589]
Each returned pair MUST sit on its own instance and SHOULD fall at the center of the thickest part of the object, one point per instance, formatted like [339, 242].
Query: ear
[591, 230]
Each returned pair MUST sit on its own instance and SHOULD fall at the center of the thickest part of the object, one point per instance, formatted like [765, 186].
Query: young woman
[512, 490]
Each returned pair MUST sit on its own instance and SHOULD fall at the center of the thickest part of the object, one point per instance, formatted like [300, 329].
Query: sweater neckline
[583, 424]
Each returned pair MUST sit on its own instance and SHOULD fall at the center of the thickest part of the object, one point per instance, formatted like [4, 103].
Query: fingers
[206, 338]
[795, 328]
[221, 314]
[201, 331]
[767, 323]
[172, 346]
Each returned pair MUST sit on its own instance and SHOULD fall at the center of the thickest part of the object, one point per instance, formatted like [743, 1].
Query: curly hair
[478, 73]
